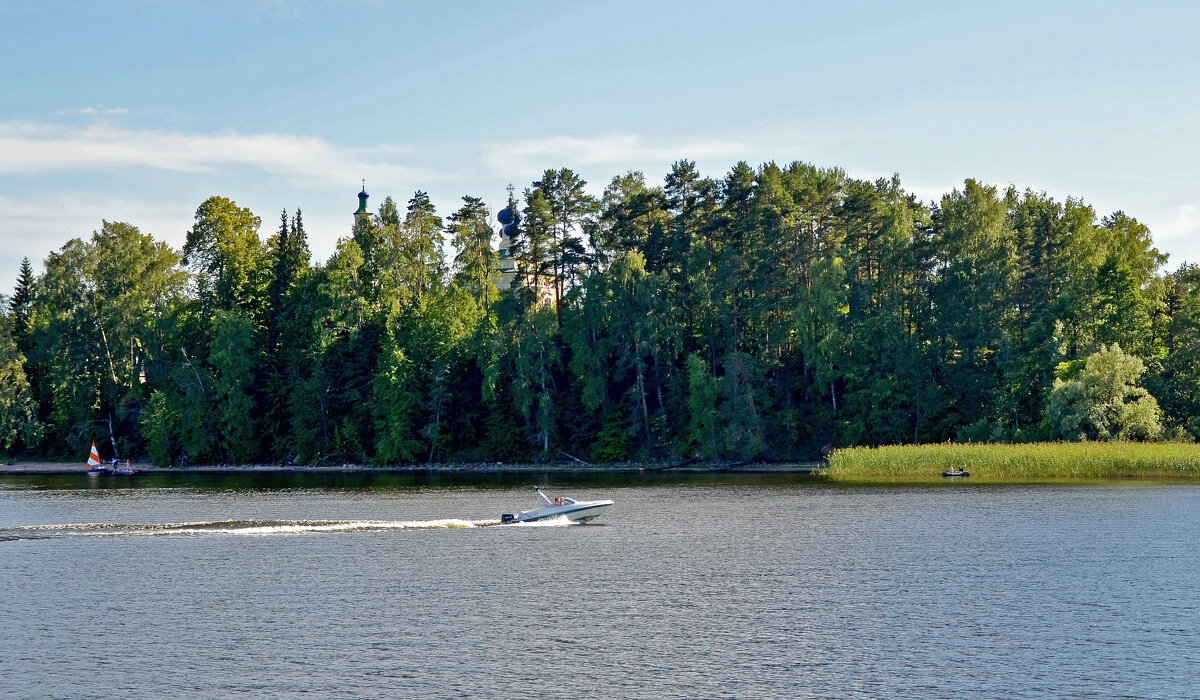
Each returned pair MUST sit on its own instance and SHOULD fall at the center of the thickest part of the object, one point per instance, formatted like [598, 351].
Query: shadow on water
[391, 480]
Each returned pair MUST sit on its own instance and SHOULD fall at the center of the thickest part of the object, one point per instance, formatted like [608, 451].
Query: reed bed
[1042, 460]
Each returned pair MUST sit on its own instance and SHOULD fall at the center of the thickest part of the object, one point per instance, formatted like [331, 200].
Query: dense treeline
[767, 314]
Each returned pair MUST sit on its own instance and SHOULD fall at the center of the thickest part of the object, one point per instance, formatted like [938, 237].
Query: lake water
[691, 586]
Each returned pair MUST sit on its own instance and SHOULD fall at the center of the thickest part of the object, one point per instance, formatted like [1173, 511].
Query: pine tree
[421, 244]
[476, 261]
[569, 208]
[20, 306]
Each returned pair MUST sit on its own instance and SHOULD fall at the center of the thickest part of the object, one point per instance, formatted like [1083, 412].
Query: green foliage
[159, 424]
[226, 257]
[396, 403]
[190, 413]
[612, 442]
[1176, 381]
[1104, 400]
[535, 357]
[973, 295]
[344, 292]
[771, 312]
[743, 435]
[18, 410]
[624, 342]
[233, 359]
[421, 262]
[502, 441]
[476, 262]
[101, 317]
[569, 208]
[20, 306]
[288, 251]
[535, 249]
[1043, 460]
[704, 425]
[288, 336]
[630, 214]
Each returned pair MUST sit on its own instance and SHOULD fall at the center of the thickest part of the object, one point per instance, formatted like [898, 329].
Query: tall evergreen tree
[1176, 383]
[421, 242]
[536, 265]
[287, 335]
[476, 261]
[973, 295]
[630, 215]
[20, 306]
[769, 313]
[569, 208]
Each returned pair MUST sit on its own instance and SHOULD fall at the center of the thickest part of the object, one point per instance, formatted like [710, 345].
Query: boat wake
[231, 527]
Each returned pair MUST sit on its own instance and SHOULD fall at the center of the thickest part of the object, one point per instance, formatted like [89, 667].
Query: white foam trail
[236, 527]
[351, 526]
[253, 527]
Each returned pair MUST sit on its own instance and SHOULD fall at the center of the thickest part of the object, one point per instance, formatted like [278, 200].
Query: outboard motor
[506, 518]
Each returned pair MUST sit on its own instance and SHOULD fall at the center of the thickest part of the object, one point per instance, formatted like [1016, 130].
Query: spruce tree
[20, 306]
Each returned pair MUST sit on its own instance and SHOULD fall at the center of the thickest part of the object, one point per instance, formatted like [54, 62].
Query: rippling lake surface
[691, 586]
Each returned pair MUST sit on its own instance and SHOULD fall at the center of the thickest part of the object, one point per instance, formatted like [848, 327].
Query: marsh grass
[1043, 460]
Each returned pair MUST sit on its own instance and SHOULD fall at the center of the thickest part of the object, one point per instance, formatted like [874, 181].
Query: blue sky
[138, 111]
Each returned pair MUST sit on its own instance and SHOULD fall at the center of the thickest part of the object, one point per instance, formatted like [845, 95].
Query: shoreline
[817, 470]
[46, 468]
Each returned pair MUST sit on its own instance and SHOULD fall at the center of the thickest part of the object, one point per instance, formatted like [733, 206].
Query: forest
[770, 314]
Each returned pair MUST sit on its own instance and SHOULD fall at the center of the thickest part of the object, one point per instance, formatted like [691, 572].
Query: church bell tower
[362, 202]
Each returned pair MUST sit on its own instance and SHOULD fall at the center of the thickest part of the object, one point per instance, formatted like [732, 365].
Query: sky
[138, 111]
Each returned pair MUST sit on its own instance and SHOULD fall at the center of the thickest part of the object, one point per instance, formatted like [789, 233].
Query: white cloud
[154, 179]
[1181, 225]
[45, 224]
[35, 148]
[97, 110]
[1177, 232]
[35, 228]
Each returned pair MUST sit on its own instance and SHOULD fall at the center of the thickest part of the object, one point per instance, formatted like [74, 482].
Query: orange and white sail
[94, 457]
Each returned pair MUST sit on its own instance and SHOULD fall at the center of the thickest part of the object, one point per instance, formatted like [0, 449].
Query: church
[509, 263]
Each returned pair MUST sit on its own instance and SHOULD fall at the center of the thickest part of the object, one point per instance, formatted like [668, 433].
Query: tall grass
[1043, 460]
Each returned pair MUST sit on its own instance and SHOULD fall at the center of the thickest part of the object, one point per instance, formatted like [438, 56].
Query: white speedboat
[560, 507]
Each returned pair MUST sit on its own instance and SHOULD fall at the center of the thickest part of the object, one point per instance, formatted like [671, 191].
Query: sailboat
[93, 463]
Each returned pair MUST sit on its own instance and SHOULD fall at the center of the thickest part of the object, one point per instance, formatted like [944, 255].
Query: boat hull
[580, 512]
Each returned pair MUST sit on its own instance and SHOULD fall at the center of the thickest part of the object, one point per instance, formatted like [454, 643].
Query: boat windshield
[568, 501]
